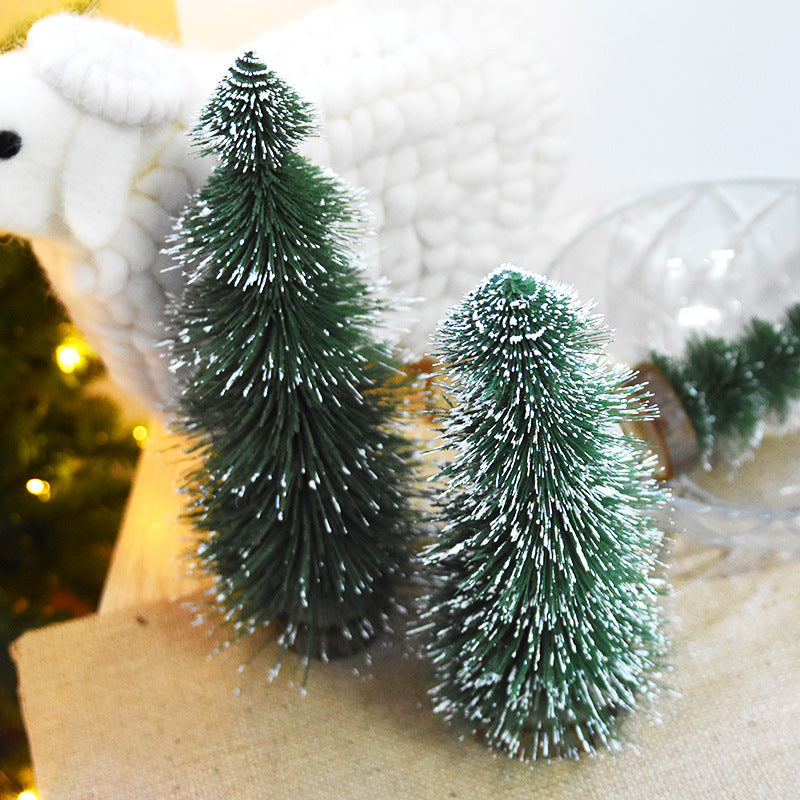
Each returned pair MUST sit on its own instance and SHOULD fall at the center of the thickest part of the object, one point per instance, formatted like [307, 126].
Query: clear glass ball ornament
[704, 258]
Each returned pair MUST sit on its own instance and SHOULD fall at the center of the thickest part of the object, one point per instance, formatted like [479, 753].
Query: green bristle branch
[730, 387]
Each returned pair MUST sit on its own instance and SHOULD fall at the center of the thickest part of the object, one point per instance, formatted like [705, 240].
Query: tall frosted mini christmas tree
[301, 498]
[543, 624]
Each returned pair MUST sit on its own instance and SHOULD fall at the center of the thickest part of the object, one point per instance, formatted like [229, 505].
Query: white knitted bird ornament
[440, 111]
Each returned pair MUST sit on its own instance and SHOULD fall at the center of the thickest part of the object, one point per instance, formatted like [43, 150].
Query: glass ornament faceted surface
[704, 259]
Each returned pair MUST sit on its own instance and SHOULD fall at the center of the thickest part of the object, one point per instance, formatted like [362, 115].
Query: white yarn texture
[440, 111]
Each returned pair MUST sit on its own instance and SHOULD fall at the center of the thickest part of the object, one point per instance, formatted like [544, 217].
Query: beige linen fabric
[130, 705]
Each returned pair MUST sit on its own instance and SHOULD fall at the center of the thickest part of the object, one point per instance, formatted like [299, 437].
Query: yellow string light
[68, 358]
[38, 488]
[74, 352]
[141, 435]
[27, 795]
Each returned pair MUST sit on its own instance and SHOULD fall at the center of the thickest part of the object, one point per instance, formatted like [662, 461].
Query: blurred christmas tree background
[67, 459]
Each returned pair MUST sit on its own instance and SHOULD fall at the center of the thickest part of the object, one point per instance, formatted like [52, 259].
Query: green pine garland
[730, 387]
[543, 623]
[302, 497]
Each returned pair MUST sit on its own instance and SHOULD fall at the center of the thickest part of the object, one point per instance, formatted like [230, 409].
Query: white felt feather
[117, 74]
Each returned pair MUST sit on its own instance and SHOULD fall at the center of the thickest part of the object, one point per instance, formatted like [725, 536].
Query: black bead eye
[10, 144]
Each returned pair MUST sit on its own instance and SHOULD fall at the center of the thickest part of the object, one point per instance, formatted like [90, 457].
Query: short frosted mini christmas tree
[301, 498]
[543, 624]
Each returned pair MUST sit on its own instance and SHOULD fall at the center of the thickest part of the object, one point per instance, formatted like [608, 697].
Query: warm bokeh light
[156, 17]
[27, 795]
[141, 434]
[73, 353]
[68, 358]
[38, 488]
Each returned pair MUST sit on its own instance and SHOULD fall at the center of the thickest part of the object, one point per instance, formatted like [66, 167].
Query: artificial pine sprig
[543, 624]
[730, 387]
[301, 500]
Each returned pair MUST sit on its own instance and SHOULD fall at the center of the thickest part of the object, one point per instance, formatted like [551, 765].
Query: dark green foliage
[53, 554]
[301, 499]
[543, 624]
[729, 388]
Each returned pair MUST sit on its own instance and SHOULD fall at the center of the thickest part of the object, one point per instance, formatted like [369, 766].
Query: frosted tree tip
[254, 119]
[515, 282]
